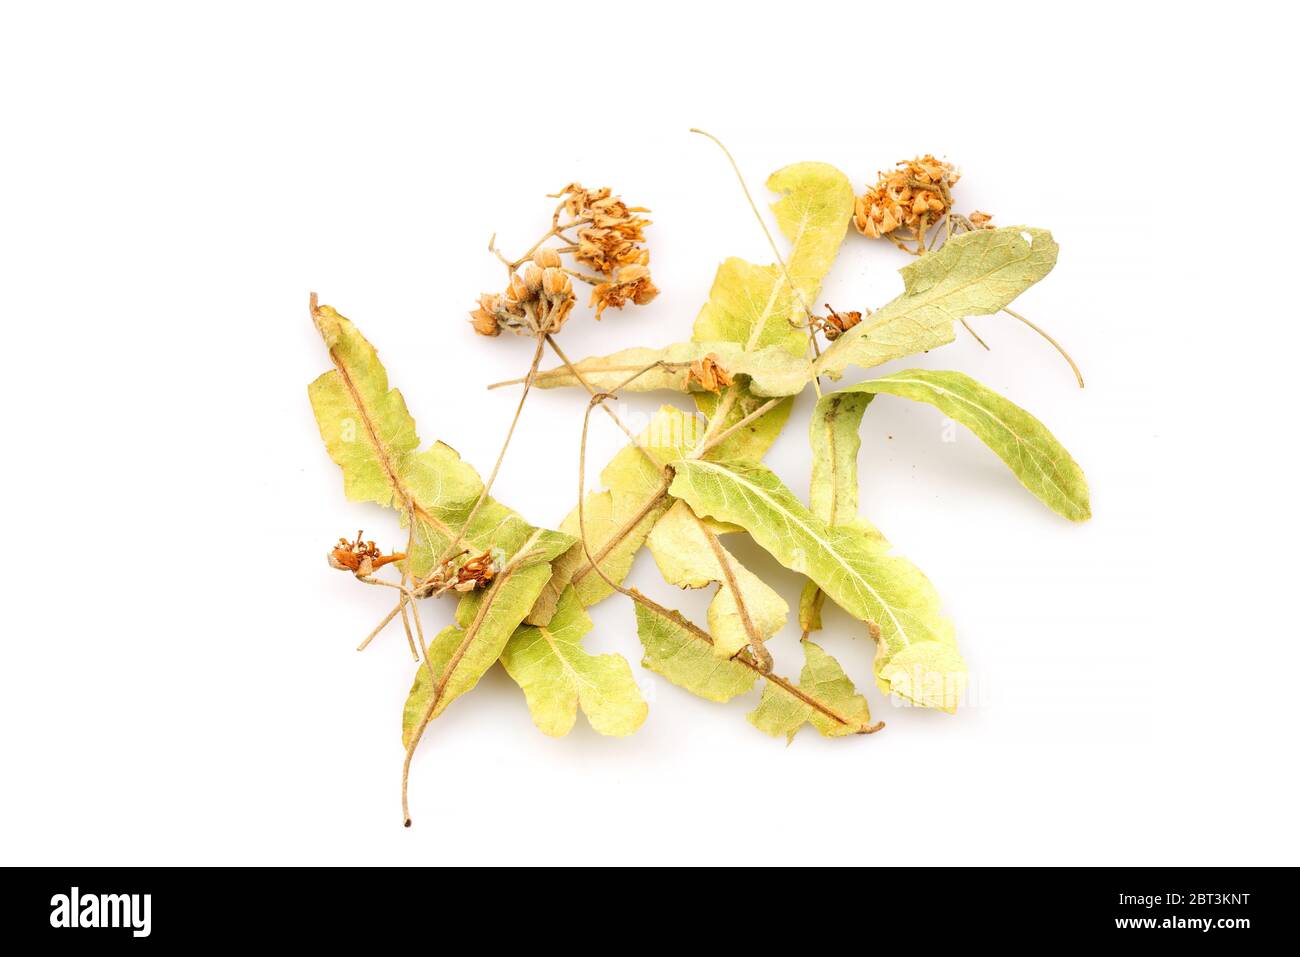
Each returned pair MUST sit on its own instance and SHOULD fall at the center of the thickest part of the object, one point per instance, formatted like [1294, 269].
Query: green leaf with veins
[833, 496]
[485, 620]
[607, 514]
[755, 306]
[371, 435]
[1032, 453]
[682, 653]
[744, 610]
[751, 442]
[973, 274]
[917, 656]
[782, 714]
[557, 676]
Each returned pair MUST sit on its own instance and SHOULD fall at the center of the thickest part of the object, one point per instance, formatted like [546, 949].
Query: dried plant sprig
[609, 234]
[681, 484]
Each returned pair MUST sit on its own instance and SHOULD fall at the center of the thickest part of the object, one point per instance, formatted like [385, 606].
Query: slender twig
[380, 627]
[555, 347]
[975, 334]
[1043, 332]
[496, 468]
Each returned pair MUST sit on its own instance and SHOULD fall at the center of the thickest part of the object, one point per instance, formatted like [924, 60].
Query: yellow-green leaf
[973, 274]
[782, 711]
[484, 623]
[674, 649]
[365, 424]
[750, 442]
[833, 496]
[755, 305]
[689, 555]
[557, 676]
[670, 435]
[613, 544]
[1032, 453]
[371, 435]
[681, 652]
[854, 569]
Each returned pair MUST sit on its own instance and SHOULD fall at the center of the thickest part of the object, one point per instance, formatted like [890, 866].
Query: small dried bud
[556, 284]
[484, 318]
[546, 258]
[981, 220]
[873, 630]
[517, 292]
[533, 280]
[710, 376]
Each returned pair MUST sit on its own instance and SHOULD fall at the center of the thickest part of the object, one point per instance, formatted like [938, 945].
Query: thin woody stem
[975, 334]
[496, 468]
[1043, 332]
[588, 279]
[548, 374]
[383, 624]
[555, 347]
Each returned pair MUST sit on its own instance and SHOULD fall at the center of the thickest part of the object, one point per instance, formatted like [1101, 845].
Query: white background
[178, 682]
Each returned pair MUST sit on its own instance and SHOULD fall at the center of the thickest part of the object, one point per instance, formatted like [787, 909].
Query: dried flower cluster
[456, 575]
[609, 240]
[915, 195]
[539, 301]
[360, 557]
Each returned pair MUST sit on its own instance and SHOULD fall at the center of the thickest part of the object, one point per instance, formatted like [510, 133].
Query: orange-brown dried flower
[455, 575]
[557, 299]
[604, 250]
[629, 284]
[981, 220]
[484, 318]
[360, 557]
[476, 572]
[914, 195]
[609, 228]
[710, 376]
[496, 312]
[837, 323]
